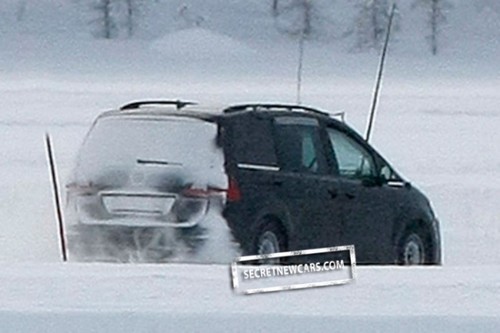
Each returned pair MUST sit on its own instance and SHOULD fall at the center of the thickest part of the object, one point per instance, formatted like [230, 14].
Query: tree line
[370, 21]
[303, 18]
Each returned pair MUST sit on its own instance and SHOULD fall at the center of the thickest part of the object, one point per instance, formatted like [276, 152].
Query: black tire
[414, 248]
[271, 239]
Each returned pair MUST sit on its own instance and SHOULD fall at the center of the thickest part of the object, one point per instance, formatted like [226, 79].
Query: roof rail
[135, 105]
[340, 115]
[277, 107]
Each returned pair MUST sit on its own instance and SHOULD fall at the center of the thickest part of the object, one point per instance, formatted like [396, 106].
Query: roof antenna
[379, 74]
[299, 68]
[306, 4]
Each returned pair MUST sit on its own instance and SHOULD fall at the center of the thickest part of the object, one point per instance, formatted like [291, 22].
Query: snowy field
[437, 123]
[192, 298]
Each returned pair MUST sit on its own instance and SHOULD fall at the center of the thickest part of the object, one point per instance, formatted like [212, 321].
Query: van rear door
[144, 170]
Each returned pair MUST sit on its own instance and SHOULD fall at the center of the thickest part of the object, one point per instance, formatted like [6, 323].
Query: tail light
[233, 190]
[232, 193]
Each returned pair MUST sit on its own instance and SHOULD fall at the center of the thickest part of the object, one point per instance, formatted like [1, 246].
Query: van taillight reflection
[232, 192]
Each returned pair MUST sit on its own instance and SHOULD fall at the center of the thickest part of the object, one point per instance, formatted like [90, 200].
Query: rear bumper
[137, 222]
[109, 210]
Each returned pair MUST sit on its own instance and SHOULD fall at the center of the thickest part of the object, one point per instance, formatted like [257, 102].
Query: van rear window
[120, 144]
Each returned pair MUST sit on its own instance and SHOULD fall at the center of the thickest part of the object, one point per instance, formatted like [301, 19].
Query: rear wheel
[271, 239]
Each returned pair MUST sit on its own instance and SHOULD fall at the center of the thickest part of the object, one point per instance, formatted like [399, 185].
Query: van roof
[162, 108]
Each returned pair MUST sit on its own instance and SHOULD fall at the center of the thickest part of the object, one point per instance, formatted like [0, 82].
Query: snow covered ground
[437, 123]
[193, 298]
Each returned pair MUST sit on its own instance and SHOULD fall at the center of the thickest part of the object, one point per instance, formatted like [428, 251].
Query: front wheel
[413, 249]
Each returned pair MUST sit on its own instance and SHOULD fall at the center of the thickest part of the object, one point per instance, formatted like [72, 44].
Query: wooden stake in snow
[379, 74]
[57, 202]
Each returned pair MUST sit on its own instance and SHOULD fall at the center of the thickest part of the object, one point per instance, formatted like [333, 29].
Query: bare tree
[133, 10]
[294, 17]
[306, 9]
[274, 8]
[436, 18]
[105, 21]
[21, 10]
[371, 23]
[189, 17]
[131, 13]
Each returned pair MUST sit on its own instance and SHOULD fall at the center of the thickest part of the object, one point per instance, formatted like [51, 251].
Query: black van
[159, 176]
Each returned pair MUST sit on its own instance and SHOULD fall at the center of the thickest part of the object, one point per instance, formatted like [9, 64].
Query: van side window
[299, 146]
[352, 159]
[251, 141]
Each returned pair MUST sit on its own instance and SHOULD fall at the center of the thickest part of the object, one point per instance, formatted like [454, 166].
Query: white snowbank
[197, 44]
[193, 298]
